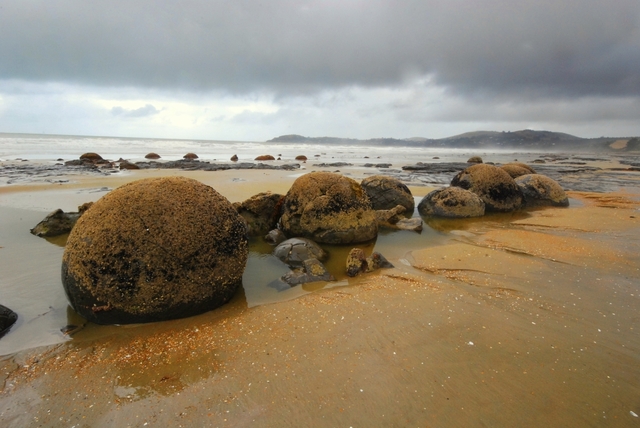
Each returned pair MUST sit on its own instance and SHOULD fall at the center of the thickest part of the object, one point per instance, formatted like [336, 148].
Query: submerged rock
[451, 202]
[328, 208]
[312, 270]
[496, 188]
[540, 190]
[152, 250]
[387, 192]
[295, 251]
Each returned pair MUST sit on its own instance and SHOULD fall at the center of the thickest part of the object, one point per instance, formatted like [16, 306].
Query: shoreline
[543, 330]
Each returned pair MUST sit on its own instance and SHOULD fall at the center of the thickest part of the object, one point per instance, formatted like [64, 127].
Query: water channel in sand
[518, 319]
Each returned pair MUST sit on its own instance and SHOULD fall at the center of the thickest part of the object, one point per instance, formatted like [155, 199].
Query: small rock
[312, 270]
[265, 158]
[474, 159]
[301, 158]
[56, 223]
[152, 156]
[234, 158]
[275, 237]
[190, 156]
[357, 262]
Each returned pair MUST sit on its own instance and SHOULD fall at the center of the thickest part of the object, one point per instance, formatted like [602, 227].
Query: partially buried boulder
[90, 156]
[451, 202]
[310, 271]
[152, 155]
[264, 158]
[7, 319]
[295, 251]
[152, 250]
[540, 190]
[474, 159]
[190, 156]
[261, 212]
[496, 188]
[328, 208]
[387, 192]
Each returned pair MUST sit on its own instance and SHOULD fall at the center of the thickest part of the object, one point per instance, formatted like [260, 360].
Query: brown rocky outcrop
[496, 188]
[152, 155]
[387, 192]
[265, 158]
[190, 156]
[328, 208]
[301, 158]
[152, 250]
[451, 202]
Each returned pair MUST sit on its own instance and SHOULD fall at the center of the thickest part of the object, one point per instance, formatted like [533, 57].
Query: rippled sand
[526, 319]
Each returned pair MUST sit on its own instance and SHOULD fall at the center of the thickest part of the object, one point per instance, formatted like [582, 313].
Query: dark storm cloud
[531, 47]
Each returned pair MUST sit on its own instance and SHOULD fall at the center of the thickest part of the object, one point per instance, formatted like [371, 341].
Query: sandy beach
[519, 319]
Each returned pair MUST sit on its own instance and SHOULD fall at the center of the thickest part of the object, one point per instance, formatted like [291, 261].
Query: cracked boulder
[152, 250]
[386, 193]
[496, 188]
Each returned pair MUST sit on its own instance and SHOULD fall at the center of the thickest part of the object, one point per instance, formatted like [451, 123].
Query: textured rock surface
[540, 190]
[275, 236]
[474, 159]
[264, 158]
[328, 208]
[295, 251]
[516, 169]
[494, 185]
[152, 250]
[358, 263]
[451, 202]
[152, 155]
[387, 192]
[261, 212]
[312, 270]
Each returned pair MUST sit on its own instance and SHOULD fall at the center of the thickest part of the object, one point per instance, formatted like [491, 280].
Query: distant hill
[525, 139]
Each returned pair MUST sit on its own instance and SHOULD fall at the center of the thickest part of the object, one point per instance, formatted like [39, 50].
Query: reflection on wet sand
[525, 320]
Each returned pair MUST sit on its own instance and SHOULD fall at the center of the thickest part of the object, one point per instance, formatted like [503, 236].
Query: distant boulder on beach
[265, 158]
[93, 157]
[152, 155]
[190, 156]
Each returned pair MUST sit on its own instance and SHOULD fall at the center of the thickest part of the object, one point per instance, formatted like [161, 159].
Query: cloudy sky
[255, 69]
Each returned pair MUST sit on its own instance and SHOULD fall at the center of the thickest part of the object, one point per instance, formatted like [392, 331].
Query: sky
[251, 70]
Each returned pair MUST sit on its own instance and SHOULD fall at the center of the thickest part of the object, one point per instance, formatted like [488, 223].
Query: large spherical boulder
[152, 250]
[495, 187]
[540, 190]
[328, 208]
[451, 202]
[386, 193]
[516, 169]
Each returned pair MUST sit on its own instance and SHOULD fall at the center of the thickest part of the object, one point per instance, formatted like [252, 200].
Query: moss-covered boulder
[152, 250]
[451, 202]
[328, 208]
[496, 188]
[386, 193]
[540, 190]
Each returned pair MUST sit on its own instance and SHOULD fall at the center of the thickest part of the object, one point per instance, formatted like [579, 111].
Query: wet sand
[522, 319]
